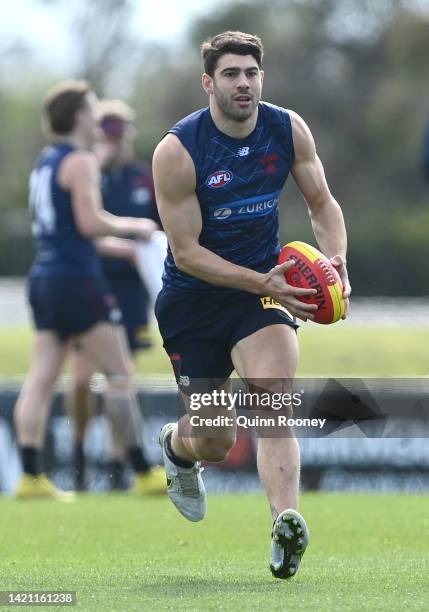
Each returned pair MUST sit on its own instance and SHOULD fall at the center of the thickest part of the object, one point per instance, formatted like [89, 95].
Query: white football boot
[289, 539]
[185, 487]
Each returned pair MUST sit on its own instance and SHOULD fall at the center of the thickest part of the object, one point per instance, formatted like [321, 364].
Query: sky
[45, 26]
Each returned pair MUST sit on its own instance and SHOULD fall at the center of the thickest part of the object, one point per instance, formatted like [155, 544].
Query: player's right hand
[145, 228]
[275, 285]
[339, 264]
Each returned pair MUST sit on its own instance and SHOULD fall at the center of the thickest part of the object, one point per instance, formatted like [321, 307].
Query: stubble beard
[226, 106]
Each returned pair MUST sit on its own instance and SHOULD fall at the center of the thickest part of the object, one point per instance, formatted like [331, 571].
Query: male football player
[218, 176]
[67, 293]
[127, 190]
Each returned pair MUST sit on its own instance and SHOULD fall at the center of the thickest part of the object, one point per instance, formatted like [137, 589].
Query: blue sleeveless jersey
[238, 184]
[127, 191]
[60, 248]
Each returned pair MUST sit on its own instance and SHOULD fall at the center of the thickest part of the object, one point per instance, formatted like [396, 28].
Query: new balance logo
[242, 152]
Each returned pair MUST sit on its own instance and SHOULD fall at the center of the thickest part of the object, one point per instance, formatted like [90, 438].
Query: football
[312, 270]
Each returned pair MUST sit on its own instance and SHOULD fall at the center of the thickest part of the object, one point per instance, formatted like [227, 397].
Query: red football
[312, 270]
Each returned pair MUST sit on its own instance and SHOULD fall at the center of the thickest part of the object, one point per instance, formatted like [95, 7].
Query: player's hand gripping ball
[312, 270]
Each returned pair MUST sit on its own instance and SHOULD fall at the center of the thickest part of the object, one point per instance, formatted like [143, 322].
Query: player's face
[237, 86]
[115, 142]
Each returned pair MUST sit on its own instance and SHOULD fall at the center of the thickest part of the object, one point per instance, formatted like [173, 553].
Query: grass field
[337, 350]
[367, 552]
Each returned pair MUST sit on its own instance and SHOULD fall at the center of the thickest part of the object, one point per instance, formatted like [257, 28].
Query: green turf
[363, 351]
[15, 351]
[332, 351]
[367, 552]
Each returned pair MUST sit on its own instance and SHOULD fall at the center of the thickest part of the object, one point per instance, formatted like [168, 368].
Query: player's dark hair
[238, 43]
[61, 104]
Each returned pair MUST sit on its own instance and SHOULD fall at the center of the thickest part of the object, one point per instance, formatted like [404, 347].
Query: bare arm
[121, 248]
[79, 174]
[325, 213]
[174, 177]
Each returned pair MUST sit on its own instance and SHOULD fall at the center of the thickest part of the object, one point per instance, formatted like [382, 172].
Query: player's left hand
[339, 264]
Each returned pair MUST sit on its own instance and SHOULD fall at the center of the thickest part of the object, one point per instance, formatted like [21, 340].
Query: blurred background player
[127, 190]
[67, 292]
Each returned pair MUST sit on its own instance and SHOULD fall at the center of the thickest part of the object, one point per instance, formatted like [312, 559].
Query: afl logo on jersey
[219, 179]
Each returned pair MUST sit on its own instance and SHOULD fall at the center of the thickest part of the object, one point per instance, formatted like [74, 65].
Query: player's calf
[213, 450]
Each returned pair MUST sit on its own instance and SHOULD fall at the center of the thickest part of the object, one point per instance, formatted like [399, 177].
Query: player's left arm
[325, 213]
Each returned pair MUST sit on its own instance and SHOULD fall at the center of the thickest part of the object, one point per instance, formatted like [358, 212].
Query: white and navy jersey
[60, 248]
[238, 184]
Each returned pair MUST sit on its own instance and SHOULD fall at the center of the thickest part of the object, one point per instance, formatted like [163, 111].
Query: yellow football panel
[310, 252]
[338, 302]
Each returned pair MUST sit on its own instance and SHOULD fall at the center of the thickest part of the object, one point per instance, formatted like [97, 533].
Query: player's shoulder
[302, 136]
[173, 167]
[80, 160]
[192, 130]
[281, 113]
[274, 112]
[296, 120]
[53, 154]
[191, 121]
[167, 148]
[170, 153]
[175, 152]
[288, 121]
[277, 119]
[79, 164]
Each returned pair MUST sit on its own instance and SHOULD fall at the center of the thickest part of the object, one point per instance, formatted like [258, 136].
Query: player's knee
[81, 381]
[273, 394]
[44, 379]
[214, 449]
[272, 385]
[120, 382]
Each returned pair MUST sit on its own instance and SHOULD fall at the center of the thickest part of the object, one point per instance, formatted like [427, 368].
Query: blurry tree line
[356, 70]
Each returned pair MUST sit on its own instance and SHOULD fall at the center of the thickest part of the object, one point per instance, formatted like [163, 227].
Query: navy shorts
[199, 331]
[133, 302]
[71, 305]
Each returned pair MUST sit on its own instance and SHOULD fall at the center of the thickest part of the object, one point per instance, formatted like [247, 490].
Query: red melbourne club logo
[269, 162]
[176, 360]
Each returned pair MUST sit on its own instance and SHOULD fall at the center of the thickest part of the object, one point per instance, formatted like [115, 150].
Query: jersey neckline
[231, 138]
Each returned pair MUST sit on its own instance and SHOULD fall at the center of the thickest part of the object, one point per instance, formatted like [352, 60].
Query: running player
[127, 190]
[67, 294]
[218, 175]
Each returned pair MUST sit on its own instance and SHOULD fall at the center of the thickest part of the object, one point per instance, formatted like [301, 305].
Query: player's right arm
[79, 174]
[119, 248]
[179, 209]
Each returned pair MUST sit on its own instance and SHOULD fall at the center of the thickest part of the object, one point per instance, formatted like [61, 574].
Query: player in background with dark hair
[127, 190]
[218, 177]
[67, 292]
